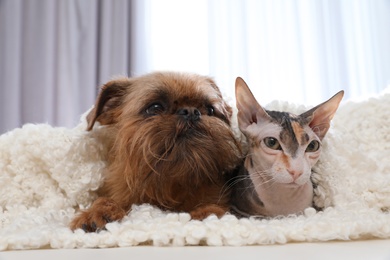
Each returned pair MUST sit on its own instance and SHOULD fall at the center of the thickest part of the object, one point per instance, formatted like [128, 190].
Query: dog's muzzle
[189, 114]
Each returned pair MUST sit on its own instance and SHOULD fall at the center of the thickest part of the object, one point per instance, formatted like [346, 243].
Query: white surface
[371, 249]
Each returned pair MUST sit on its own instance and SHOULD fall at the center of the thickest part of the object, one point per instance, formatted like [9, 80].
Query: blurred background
[54, 55]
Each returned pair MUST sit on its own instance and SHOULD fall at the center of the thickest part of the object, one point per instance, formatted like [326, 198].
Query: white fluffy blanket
[46, 172]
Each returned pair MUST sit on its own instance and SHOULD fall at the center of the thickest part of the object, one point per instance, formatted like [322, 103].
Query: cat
[275, 176]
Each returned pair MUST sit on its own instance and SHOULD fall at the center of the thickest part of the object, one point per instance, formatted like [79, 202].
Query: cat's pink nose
[295, 174]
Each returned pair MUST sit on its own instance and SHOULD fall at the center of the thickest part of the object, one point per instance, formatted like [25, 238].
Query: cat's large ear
[321, 115]
[249, 110]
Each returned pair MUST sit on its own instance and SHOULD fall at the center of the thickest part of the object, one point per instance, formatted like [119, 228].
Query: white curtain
[55, 54]
[303, 51]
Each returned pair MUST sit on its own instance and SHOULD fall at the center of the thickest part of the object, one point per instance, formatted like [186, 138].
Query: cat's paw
[102, 211]
[203, 212]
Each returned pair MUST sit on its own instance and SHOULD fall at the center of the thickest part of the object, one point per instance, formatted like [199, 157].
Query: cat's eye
[210, 110]
[272, 143]
[313, 146]
[155, 109]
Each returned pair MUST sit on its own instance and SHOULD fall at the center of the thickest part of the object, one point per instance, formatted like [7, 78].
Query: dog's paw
[203, 212]
[102, 211]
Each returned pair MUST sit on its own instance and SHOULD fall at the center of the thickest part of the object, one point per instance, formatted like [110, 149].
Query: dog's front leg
[204, 211]
[102, 211]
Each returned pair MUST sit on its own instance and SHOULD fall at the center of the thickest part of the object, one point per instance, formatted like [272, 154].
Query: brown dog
[173, 146]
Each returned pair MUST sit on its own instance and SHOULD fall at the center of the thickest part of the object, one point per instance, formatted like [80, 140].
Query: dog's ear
[224, 107]
[107, 103]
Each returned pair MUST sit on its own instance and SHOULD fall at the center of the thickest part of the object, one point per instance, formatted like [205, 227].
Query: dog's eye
[154, 109]
[210, 110]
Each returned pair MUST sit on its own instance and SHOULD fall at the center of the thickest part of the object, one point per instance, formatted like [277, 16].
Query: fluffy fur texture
[172, 147]
[46, 172]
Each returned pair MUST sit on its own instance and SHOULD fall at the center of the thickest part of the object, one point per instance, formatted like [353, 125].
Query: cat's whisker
[265, 178]
[230, 184]
[235, 180]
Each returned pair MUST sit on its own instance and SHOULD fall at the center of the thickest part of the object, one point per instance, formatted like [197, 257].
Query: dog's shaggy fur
[172, 145]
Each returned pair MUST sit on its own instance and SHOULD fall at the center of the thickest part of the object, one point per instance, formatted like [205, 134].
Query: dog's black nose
[189, 113]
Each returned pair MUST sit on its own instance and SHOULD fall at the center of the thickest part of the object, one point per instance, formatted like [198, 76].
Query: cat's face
[283, 147]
